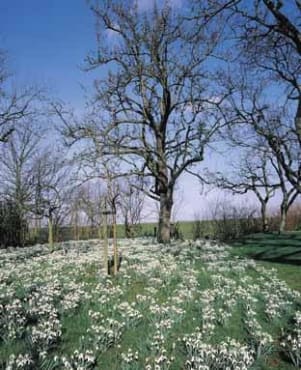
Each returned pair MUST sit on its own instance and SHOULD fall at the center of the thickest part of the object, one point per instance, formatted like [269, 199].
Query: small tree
[131, 206]
[50, 178]
[90, 200]
[253, 174]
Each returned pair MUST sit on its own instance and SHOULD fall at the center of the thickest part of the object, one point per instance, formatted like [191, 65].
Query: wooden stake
[115, 244]
[105, 240]
[50, 233]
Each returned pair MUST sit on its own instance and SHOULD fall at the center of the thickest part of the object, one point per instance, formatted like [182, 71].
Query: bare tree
[156, 108]
[131, 207]
[14, 105]
[88, 200]
[253, 174]
[268, 36]
[257, 125]
[16, 163]
[50, 178]
[253, 115]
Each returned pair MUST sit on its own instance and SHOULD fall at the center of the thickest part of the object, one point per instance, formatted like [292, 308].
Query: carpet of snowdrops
[189, 305]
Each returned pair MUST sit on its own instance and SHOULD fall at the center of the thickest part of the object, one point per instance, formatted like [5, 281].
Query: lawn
[272, 247]
[281, 252]
[191, 305]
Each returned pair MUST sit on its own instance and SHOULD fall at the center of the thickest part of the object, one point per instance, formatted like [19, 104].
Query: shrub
[233, 221]
[13, 228]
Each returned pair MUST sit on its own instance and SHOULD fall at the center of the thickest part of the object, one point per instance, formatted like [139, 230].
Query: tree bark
[298, 120]
[283, 213]
[283, 220]
[264, 220]
[166, 203]
[127, 228]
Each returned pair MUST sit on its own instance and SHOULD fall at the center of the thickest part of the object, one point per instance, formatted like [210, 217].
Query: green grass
[290, 274]
[272, 247]
[282, 252]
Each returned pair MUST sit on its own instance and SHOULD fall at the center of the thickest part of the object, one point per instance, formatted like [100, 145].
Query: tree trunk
[76, 226]
[264, 220]
[127, 228]
[166, 203]
[50, 233]
[298, 120]
[283, 212]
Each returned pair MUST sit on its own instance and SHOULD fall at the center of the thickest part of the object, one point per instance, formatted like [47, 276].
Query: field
[191, 305]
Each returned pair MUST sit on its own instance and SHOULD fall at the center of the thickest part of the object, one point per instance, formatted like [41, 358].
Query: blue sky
[47, 41]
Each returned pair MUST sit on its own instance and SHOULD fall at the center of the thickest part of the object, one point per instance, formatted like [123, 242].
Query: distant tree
[16, 182]
[157, 106]
[50, 176]
[12, 228]
[131, 205]
[87, 203]
[253, 173]
[257, 126]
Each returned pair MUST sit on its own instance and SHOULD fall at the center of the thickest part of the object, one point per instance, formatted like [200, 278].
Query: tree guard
[107, 263]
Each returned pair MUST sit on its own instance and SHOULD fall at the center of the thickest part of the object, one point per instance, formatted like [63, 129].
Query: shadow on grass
[271, 247]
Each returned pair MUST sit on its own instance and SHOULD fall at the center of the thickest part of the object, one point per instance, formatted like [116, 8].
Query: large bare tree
[268, 41]
[156, 105]
[254, 115]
